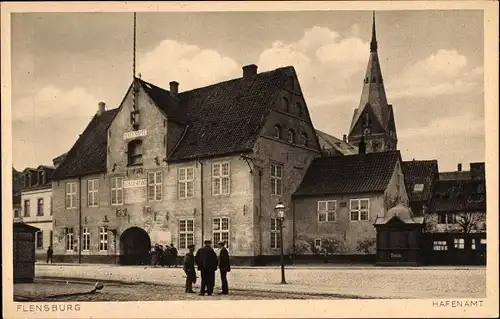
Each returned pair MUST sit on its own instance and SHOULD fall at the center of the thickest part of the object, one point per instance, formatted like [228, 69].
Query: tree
[468, 221]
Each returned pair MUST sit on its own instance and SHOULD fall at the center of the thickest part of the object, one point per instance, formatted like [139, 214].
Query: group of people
[207, 262]
[163, 256]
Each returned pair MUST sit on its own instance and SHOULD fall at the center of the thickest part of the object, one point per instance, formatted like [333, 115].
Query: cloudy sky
[432, 61]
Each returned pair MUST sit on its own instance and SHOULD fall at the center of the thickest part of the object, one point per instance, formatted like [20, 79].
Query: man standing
[173, 255]
[207, 262]
[50, 252]
[224, 267]
[189, 269]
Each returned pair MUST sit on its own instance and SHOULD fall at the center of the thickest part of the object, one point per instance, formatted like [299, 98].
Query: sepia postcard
[250, 159]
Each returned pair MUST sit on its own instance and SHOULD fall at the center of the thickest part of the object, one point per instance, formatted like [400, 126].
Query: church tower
[373, 121]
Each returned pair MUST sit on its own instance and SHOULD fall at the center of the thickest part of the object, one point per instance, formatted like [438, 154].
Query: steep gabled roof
[351, 174]
[88, 154]
[420, 172]
[227, 117]
[163, 99]
[459, 196]
[327, 141]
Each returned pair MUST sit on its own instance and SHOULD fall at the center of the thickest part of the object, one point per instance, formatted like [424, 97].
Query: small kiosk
[24, 252]
[399, 235]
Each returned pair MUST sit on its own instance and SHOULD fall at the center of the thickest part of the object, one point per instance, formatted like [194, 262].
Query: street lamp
[280, 209]
[114, 232]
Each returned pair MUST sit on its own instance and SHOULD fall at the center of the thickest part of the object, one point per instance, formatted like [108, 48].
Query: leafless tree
[468, 221]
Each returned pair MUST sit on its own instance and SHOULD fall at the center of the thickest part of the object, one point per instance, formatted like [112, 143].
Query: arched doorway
[134, 247]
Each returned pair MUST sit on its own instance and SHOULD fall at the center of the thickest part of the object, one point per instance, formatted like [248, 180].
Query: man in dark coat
[50, 252]
[173, 255]
[224, 267]
[189, 269]
[207, 262]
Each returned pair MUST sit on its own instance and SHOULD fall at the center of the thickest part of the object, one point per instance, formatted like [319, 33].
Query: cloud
[442, 73]
[187, 64]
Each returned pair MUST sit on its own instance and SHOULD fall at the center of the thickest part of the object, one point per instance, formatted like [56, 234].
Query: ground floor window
[103, 238]
[39, 240]
[275, 233]
[221, 230]
[186, 233]
[86, 239]
[440, 245]
[69, 238]
[459, 243]
[317, 243]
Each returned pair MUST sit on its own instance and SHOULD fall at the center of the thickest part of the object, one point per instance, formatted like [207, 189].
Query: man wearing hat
[207, 262]
[189, 269]
[224, 267]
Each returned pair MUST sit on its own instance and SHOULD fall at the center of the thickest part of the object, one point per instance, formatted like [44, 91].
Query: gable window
[317, 243]
[39, 240]
[459, 243]
[327, 211]
[68, 232]
[360, 209]
[276, 179]
[440, 245]
[135, 152]
[220, 179]
[116, 191]
[277, 132]
[27, 180]
[221, 230]
[447, 219]
[303, 139]
[93, 192]
[39, 207]
[103, 238]
[186, 233]
[85, 239]
[286, 105]
[27, 206]
[298, 109]
[275, 234]
[291, 136]
[71, 195]
[186, 182]
[154, 186]
[418, 188]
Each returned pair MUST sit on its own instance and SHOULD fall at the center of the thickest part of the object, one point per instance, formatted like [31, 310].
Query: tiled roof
[455, 176]
[88, 154]
[327, 141]
[420, 172]
[227, 117]
[350, 174]
[164, 101]
[459, 196]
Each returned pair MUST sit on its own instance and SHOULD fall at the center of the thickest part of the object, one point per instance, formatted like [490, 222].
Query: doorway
[134, 247]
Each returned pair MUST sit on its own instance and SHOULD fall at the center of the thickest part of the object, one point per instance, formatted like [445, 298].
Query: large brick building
[180, 167]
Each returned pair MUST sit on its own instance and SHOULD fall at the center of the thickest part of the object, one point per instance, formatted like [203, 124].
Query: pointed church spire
[373, 43]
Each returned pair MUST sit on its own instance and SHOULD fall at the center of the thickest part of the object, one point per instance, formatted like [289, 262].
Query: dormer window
[135, 152]
[286, 105]
[291, 136]
[277, 132]
[41, 178]
[304, 140]
[27, 179]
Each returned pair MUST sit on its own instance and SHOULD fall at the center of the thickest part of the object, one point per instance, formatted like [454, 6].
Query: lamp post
[280, 209]
[114, 232]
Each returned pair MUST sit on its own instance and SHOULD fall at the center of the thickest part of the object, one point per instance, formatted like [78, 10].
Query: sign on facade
[134, 183]
[134, 134]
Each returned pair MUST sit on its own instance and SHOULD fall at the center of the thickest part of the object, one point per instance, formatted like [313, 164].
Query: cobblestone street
[341, 281]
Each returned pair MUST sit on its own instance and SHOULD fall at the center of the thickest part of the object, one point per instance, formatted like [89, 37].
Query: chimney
[459, 167]
[174, 88]
[362, 146]
[101, 109]
[344, 138]
[249, 70]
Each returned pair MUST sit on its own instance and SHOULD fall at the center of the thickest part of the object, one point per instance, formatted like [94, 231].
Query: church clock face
[366, 131]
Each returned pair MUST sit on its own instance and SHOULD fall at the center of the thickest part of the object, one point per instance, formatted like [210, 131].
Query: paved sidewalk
[346, 282]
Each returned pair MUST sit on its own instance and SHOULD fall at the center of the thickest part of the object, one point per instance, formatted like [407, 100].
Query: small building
[332, 146]
[24, 252]
[420, 178]
[339, 200]
[399, 237]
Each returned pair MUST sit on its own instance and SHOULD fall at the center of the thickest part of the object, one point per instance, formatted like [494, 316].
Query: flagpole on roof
[133, 61]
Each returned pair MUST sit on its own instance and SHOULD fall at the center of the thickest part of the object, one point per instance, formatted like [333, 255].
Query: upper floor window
[186, 182]
[277, 132]
[39, 211]
[327, 211]
[286, 105]
[16, 213]
[27, 208]
[360, 209]
[135, 152]
[291, 136]
[116, 191]
[220, 179]
[71, 195]
[154, 186]
[276, 179]
[418, 188]
[304, 140]
[93, 192]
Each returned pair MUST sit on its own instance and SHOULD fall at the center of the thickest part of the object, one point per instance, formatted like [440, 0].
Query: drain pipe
[202, 205]
[79, 218]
